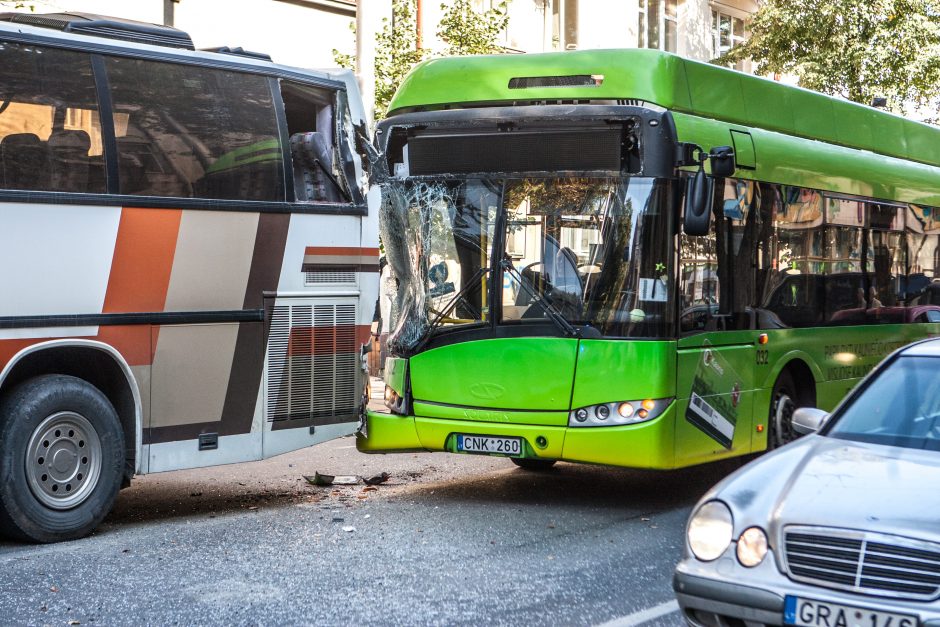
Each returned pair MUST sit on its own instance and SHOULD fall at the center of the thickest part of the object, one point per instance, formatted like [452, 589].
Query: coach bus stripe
[244, 381]
[140, 276]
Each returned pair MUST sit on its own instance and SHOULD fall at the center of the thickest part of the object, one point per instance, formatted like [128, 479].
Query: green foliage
[17, 4]
[857, 49]
[463, 29]
[466, 31]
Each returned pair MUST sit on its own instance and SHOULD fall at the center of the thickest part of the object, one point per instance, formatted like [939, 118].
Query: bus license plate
[811, 613]
[488, 444]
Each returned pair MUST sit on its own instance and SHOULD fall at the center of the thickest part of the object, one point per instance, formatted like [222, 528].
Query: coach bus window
[195, 132]
[844, 293]
[50, 134]
[311, 126]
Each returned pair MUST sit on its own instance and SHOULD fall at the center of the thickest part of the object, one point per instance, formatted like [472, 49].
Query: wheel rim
[783, 419]
[63, 460]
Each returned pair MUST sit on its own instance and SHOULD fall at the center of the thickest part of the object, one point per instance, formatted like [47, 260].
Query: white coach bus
[188, 261]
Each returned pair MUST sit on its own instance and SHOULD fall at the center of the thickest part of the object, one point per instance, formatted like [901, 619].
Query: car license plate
[812, 613]
[489, 444]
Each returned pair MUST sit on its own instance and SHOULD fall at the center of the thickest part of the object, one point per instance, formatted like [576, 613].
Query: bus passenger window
[311, 125]
[50, 133]
[194, 132]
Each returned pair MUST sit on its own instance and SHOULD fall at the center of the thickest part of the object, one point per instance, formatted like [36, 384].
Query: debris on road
[327, 480]
[349, 529]
[378, 479]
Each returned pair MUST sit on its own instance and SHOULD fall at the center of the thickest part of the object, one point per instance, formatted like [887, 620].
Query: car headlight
[618, 413]
[752, 547]
[710, 530]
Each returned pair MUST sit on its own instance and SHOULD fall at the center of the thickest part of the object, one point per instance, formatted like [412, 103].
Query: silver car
[838, 529]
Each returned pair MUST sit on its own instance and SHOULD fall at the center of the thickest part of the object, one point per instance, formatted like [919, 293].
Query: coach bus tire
[61, 459]
[533, 464]
[783, 402]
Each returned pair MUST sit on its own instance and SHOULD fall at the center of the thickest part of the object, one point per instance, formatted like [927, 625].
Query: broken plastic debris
[376, 480]
[345, 480]
[349, 529]
[318, 479]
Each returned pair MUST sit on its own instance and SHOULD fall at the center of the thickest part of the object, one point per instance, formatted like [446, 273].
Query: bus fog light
[710, 530]
[603, 412]
[581, 415]
[752, 547]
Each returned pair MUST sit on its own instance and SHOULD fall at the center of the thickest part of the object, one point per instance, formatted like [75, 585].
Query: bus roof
[670, 81]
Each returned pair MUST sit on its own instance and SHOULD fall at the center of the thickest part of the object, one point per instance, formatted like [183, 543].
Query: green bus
[625, 257]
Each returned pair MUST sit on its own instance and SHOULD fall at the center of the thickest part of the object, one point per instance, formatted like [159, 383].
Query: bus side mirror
[698, 204]
[722, 161]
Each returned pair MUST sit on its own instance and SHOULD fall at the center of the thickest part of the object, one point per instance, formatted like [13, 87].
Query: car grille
[867, 563]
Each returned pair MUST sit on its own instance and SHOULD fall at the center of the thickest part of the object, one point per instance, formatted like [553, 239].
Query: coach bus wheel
[61, 459]
[533, 464]
[783, 403]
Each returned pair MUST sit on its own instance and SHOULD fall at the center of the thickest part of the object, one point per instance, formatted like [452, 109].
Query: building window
[727, 32]
[658, 25]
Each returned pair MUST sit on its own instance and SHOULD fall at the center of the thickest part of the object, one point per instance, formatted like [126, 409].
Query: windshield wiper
[541, 299]
[471, 284]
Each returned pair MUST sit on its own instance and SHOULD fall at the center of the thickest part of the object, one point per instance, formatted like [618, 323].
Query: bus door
[718, 330]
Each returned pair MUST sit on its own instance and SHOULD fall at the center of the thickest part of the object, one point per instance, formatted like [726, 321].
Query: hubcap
[63, 460]
[783, 420]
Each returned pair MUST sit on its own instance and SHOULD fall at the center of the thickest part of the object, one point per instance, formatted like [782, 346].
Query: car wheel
[61, 459]
[532, 464]
[783, 402]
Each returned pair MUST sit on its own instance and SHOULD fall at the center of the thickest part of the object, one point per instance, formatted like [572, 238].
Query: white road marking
[638, 618]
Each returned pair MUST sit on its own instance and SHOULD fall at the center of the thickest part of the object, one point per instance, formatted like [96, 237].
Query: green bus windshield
[595, 252]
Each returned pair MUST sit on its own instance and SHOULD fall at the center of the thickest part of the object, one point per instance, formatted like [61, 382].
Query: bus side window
[194, 132]
[311, 126]
[50, 133]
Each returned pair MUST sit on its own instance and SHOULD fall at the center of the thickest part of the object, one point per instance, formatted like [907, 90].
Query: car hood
[839, 483]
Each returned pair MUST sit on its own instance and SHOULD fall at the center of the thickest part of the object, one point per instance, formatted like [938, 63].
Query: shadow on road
[578, 485]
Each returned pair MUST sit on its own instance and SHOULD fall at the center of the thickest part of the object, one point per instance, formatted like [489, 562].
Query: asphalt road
[448, 540]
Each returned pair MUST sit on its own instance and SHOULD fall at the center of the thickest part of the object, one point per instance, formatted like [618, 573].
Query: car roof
[927, 348]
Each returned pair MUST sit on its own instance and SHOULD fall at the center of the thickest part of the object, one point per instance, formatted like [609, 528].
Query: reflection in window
[195, 132]
[727, 31]
[50, 134]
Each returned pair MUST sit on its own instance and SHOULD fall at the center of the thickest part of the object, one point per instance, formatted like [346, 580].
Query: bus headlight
[710, 531]
[752, 547]
[618, 413]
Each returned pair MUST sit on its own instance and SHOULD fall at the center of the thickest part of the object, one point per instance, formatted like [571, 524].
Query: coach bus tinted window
[195, 132]
[50, 134]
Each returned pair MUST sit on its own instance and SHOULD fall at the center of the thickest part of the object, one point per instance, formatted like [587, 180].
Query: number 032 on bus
[629, 258]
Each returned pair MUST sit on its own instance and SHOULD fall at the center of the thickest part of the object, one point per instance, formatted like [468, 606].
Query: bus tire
[783, 402]
[61, 459]
[532, 464]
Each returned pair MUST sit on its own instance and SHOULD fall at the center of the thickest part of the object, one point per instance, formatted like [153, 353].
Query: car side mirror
[698, 204]
[808, 420]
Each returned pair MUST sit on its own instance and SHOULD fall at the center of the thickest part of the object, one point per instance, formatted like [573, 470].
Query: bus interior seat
[69, 162]
[24, 159]
[312, 159]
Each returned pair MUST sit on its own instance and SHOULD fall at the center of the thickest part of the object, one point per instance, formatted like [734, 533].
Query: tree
[463, 29]
[856, 49]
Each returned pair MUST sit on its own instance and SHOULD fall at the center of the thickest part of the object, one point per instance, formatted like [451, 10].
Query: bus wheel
[61, 459]
[533, 464]
[783, 403]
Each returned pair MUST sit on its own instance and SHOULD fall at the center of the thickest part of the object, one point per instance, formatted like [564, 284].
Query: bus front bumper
[645, 445]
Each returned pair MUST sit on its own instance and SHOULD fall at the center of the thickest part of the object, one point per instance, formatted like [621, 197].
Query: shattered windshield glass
[596, 252]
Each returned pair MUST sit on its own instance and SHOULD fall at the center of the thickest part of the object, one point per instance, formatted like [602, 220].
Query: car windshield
[578, 252]
[901, 407]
